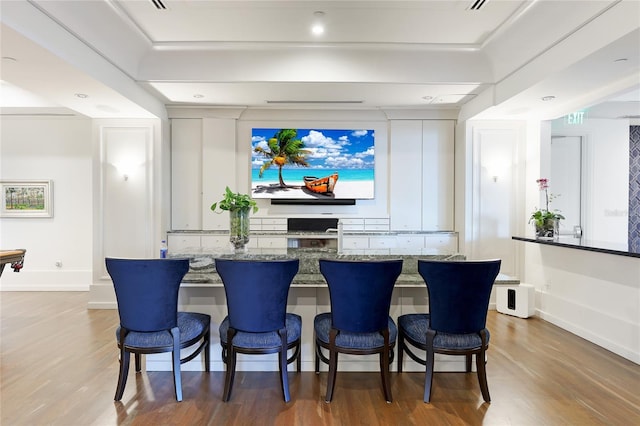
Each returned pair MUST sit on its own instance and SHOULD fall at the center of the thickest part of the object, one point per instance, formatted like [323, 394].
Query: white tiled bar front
[202, 291]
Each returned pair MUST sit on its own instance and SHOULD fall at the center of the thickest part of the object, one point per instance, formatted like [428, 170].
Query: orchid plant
[543, 218]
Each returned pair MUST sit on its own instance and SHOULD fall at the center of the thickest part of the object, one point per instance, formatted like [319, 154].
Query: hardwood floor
[59, 367]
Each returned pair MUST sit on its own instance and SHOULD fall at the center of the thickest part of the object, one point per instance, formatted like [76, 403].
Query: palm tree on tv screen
[284, 148]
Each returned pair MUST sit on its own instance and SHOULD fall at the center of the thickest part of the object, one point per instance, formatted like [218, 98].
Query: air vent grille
[477, 4]
[313, 102]
[159, 5]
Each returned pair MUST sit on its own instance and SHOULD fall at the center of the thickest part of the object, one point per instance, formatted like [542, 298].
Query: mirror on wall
[590, 173]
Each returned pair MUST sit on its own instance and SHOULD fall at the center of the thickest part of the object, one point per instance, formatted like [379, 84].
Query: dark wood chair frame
[386, 358]
[126, 350]
[229, 358]
[479, 352]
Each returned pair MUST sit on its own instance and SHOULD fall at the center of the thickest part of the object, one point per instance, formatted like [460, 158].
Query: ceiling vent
[477, 4]
[160, 6]
[313, 102]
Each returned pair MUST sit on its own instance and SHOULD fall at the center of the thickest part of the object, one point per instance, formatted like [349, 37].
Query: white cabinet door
[219, 168]
[441, 244]
[182, 243]
[405, 177]
[186, 174]
[437, 175]
[272, 242]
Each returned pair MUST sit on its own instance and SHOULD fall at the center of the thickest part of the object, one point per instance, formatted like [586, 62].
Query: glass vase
[547, 230]
[239, 229]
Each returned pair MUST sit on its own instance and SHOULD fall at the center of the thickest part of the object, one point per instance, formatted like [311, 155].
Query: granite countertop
[202, 267]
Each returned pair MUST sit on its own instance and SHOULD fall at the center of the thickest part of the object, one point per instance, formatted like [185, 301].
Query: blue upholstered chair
[359, 321]
[257, 321]
[456, 323]
[147, 296]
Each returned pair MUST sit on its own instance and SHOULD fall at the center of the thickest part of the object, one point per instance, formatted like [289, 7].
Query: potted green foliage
[239, 206]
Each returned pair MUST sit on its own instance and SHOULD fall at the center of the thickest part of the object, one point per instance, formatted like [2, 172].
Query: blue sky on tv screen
[329, 149]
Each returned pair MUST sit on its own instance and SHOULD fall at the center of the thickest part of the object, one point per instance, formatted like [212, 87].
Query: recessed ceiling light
[621, 60]
[81, 95]
[548, 98]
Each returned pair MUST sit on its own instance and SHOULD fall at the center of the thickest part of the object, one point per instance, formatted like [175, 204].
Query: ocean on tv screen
[313, 163]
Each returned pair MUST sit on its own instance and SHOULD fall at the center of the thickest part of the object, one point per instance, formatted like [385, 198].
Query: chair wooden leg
[428, 380]
[481, 367]
[400, 349]
[230, 374]
[384, 367]
[138, 363]
[468, 362]
[316, 355]
[482, 376]
[124, 365]
[175, 357]
[231, 366]
[282, 361]
[122, 375]
[207, 351]
[333, 365]
[299, 357]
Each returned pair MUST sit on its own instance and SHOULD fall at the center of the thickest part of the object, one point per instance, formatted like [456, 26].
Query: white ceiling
[498, 61]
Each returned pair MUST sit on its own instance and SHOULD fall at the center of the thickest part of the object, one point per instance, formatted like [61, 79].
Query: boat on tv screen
[320, 164]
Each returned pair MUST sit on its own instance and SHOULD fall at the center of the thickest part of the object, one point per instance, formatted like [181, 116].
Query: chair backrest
[147, 291]
[360, 292]
[257, 292]
[458, 293]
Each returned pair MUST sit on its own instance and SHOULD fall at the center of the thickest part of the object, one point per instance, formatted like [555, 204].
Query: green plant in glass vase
[239, 206]
[546, 222]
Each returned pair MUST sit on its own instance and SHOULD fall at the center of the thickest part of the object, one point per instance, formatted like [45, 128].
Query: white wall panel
[218, 169]
[405, 175]
[186, 174]
[437, 175]
[127, 191]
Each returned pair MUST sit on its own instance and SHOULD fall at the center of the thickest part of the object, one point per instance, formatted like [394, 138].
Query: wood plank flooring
[59, 367]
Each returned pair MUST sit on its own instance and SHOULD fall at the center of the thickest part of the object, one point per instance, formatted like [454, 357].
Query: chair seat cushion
[191, 325]
[270, 339]
[345, 339]
[415, 327]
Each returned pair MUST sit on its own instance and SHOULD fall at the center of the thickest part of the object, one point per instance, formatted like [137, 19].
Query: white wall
[494, 215]
[59, 149]
[606, 180]
[594, 295]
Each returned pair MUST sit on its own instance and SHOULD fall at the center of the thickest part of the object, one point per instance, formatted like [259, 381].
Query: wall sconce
[496, 170]
[127, 168]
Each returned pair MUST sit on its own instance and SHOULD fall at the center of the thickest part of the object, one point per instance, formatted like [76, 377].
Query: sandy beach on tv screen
[343, 189]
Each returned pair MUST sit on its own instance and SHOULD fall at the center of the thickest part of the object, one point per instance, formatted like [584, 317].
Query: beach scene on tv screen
[312, 163]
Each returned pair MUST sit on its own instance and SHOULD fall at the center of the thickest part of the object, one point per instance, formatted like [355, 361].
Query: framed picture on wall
[27, 198]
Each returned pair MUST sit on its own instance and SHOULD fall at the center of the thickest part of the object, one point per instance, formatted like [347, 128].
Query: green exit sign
[575, 117]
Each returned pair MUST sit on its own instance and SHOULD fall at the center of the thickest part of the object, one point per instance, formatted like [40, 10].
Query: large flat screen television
[312, 164]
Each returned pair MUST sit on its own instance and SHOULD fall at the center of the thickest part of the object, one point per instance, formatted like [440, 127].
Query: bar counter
[202, 271]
